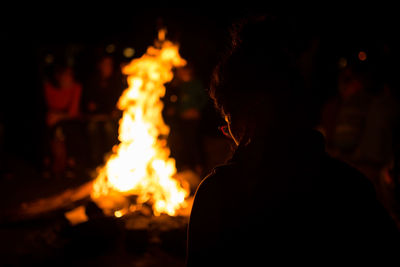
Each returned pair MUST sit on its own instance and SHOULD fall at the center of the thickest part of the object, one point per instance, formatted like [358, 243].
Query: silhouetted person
[100, 97]
[344, 116]
[63, 97]
[281, 198]
[103, 88]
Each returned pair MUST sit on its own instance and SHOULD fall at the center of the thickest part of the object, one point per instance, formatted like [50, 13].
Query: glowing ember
[140, 165]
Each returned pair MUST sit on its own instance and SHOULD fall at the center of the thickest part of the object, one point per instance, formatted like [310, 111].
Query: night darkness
[26, 39]
[32, 44]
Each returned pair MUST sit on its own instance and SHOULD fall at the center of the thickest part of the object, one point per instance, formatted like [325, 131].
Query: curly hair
[260, 63]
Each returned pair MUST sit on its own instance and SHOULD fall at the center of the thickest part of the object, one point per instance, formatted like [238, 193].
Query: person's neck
[281, 143]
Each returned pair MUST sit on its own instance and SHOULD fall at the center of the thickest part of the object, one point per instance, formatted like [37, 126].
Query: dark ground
[48, 238]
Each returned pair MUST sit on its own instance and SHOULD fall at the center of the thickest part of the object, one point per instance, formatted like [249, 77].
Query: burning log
[137, 235]
[59, 203]
[139, 170]
[138, 202]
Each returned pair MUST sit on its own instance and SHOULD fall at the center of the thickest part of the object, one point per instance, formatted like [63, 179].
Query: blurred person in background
[63, 98]
[100, 96]
[377, 154]
[376, 147]
[359, 123]
[344, 116]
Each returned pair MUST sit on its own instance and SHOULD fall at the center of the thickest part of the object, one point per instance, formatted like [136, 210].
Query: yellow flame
[161, 34]
[140, 165]
[118, 214]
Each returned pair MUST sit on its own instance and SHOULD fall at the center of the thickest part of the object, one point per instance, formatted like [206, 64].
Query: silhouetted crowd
[82, 117]
[360, 124]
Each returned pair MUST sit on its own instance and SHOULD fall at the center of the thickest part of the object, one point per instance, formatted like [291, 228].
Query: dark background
[28, 34]
[26, 38]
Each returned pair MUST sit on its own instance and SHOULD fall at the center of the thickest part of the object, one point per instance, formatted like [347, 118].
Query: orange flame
[140, 165]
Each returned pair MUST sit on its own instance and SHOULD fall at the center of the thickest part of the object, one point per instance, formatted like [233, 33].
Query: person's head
[106, 66]
[64, 77]
[257, 86]
[185, 73]
[350, 82]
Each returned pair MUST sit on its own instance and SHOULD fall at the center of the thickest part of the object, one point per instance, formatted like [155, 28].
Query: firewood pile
[41, 233]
